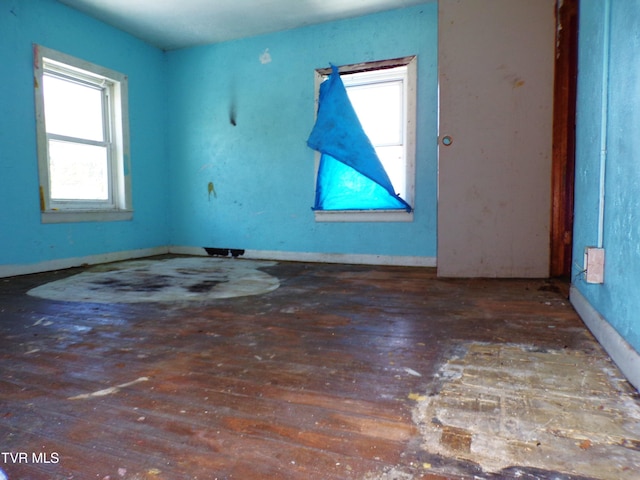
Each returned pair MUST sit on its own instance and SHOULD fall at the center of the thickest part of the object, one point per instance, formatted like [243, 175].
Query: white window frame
[410, 89]
[119, 205]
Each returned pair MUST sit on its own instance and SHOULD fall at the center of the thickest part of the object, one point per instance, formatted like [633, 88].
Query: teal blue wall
[181, 137]
[618, 123]
[261, 168]
[23, 238]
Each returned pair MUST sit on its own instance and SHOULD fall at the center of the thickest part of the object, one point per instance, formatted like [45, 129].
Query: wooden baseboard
[349, 258]
[62, 263]
[59, 264]
[624, 355]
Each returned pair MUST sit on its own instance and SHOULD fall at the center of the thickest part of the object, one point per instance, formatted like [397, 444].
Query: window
[383, 95]
[83, 139]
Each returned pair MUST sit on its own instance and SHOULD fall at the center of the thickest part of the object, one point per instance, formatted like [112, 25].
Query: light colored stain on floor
[169, 280]
[560, 410]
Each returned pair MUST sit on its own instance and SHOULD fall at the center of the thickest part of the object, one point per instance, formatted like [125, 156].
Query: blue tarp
[350, 175]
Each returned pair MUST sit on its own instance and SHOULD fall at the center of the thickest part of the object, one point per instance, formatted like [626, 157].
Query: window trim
[381, 215]
[120, 206]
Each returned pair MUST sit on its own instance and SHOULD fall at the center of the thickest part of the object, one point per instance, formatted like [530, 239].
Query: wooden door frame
[563, 161]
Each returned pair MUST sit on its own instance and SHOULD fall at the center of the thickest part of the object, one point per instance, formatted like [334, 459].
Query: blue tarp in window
[350, 175]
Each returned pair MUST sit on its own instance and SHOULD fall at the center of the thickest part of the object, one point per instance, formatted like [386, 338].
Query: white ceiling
[172, 24]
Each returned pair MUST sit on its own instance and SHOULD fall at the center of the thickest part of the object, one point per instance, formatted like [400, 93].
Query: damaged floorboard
[342, 372]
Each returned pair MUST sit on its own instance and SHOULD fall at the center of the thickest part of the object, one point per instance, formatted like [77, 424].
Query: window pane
[379, 108]
[392, 159]
[77, 171]
[73, 109]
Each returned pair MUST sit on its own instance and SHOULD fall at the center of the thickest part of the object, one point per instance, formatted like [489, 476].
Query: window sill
[73, 216]
[363, 216]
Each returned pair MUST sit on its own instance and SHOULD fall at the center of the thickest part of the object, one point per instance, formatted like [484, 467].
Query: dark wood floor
[310, 381]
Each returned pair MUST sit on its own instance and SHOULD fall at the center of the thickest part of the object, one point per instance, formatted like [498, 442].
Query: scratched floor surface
[341, 372]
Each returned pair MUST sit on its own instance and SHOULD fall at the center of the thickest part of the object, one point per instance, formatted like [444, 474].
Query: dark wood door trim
[564, 113]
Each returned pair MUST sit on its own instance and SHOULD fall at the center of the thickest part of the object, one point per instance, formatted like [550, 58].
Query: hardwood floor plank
[315, 380]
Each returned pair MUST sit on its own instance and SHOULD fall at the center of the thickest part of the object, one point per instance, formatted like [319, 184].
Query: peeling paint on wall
[211, 191]
[233, 112]
[265, 57]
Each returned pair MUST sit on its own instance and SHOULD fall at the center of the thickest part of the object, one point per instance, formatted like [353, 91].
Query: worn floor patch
[390, 474]
[170, 280]
[507, 405]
